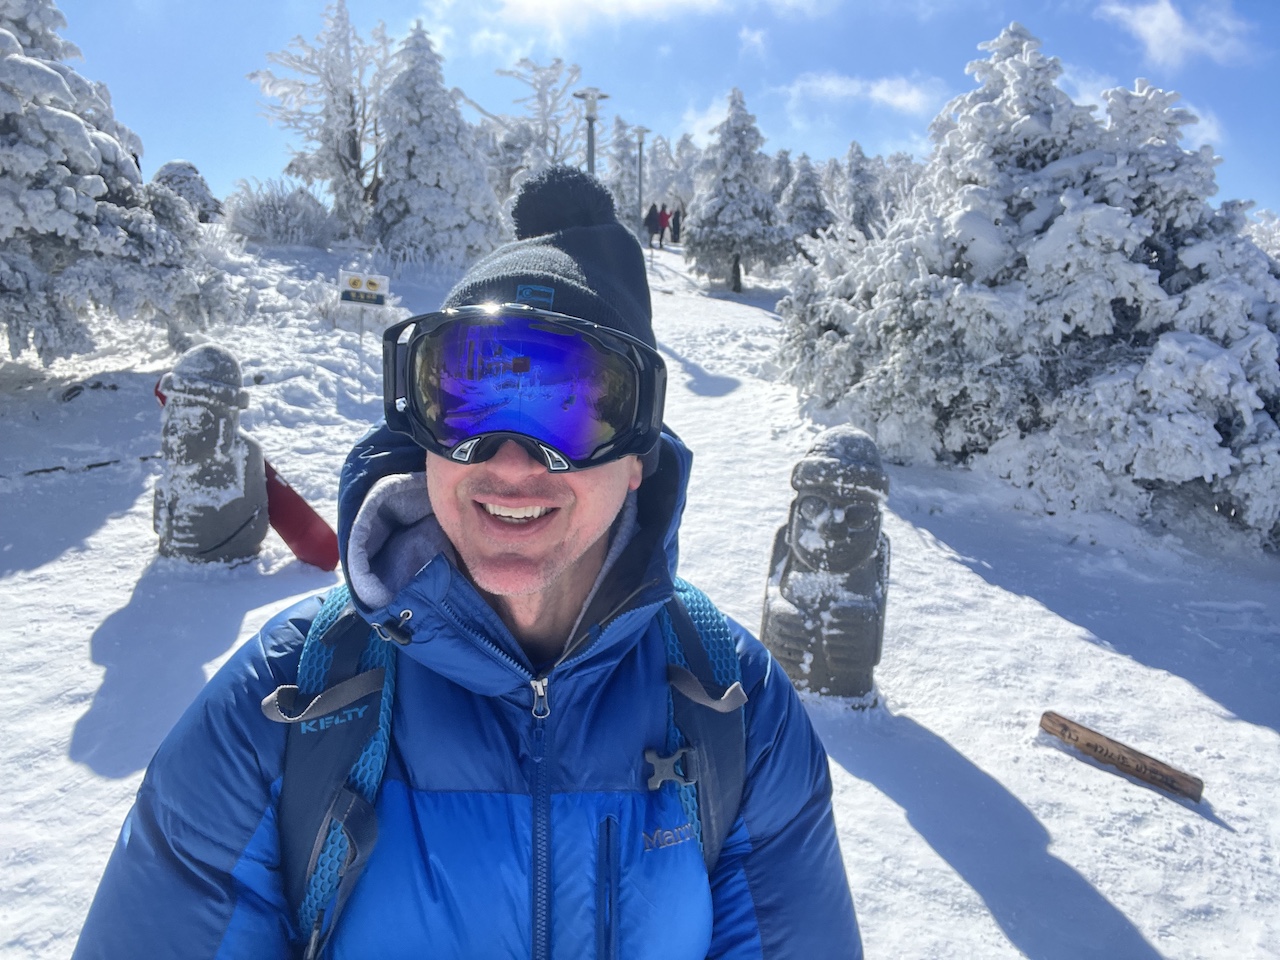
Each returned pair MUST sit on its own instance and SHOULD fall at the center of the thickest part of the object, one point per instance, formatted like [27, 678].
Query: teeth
[515, 513]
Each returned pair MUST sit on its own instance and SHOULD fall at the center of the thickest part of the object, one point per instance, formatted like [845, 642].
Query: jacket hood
[398, 562]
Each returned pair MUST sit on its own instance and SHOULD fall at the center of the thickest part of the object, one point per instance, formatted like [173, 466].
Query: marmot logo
[668, 838]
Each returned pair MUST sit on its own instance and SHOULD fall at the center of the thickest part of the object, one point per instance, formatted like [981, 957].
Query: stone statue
[825, 599]
[211, 499]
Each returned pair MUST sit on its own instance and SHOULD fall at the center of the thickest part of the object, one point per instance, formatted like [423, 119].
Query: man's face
[517, 527]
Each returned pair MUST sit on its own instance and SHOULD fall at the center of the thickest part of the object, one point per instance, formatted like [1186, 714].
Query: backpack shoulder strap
[707, 734]
[339, 717]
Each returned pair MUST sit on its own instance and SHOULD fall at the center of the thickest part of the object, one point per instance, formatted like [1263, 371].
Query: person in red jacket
[664, 221]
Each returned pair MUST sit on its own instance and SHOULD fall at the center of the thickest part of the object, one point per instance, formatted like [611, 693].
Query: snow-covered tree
[734, 223]
[659, 170]
[556, 118]
[550, 131]
[184, 179]
[1058, 302]
[804, 209]
[780, 173]
[80, 234]
[435, 205]
[623, 172]
[328, 100]
[1264, 229]
[684, 182]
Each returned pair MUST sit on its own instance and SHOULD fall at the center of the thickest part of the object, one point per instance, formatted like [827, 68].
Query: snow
[966, 831]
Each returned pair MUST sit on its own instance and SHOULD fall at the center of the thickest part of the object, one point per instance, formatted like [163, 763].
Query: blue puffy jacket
[500, 834]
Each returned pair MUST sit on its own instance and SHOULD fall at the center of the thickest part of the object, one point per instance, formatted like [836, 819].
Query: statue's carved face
[833, 534]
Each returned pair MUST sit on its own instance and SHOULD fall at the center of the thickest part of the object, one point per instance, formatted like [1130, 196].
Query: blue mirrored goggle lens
[522, 375]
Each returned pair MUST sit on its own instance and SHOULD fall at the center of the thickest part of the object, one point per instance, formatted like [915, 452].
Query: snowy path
[966, 832]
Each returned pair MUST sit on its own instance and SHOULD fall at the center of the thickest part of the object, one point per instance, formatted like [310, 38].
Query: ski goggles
[574, 394]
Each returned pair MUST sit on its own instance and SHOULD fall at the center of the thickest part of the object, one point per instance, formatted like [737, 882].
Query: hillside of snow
[966, 832]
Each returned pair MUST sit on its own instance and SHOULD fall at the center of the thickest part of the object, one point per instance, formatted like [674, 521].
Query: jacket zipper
[541, 822]
[607, 869]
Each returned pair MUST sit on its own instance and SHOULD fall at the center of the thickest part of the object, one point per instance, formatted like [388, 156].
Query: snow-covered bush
[1059, 302]
[80, 234]
[182, 177]
[279, 212]
[435, 205]
[733, 222]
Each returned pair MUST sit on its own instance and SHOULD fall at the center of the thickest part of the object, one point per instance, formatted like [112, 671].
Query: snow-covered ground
[966, 832]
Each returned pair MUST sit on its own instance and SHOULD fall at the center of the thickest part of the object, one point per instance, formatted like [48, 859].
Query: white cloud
[699, 123]
[897, 93]
[1085, 85]
[567, 16]
[1207, 129]
[1171, 39]
[750, 42]
[501, 47]
[561, 17]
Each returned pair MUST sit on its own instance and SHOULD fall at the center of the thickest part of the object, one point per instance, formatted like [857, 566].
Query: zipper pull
[541, 708]
[394, 631]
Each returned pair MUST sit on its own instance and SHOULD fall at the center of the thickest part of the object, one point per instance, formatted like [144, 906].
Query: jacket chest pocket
[608, 871]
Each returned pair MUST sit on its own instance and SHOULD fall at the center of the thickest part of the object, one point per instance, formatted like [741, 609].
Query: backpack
[346, 688]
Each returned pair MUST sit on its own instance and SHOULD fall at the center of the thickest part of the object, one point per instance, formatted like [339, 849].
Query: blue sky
[816, 73]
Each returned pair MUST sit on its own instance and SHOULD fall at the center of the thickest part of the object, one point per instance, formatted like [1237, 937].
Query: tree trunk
[737, 274]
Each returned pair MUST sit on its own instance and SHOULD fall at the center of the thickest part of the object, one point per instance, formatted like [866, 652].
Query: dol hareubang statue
[211, 499]
[825, 599]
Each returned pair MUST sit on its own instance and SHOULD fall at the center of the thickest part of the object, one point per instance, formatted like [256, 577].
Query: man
[524, 572]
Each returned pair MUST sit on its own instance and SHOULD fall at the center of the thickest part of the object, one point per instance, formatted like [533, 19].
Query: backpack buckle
[664, 768]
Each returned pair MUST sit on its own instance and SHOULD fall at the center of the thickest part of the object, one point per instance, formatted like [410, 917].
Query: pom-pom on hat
[571, 255]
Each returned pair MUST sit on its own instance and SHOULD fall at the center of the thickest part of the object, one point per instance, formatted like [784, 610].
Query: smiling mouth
[515, 514]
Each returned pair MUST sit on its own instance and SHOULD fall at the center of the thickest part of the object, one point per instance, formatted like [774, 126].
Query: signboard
[368, 289]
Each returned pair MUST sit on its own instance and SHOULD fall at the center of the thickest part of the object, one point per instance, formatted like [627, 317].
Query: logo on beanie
[535, 296]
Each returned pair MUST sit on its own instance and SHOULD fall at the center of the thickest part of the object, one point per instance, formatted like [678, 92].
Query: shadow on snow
[701, 381]
[154, 649]
[1216, 629]
[1047, 910]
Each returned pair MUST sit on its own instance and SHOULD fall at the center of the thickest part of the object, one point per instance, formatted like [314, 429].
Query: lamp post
[640, 132]
[591, 96]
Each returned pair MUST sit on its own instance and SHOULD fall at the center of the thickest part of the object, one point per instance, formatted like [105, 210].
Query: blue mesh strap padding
[724, 737]
[327, 876]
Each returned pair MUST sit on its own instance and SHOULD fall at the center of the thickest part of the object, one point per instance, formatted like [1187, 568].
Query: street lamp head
[591, 95]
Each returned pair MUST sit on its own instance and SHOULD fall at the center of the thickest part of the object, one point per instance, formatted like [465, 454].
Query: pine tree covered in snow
[435, 204]
[687, 160]
[781, 172]
[329, 101]
[803, 207]
[1060, 302]
[659, 170]
[1264, 230]
[623, 173]
[79, 231]
[733, 222]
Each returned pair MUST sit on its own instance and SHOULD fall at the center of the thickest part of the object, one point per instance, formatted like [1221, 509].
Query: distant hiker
[676, 216]
[561, 749]
[664, 221]
[652, 224]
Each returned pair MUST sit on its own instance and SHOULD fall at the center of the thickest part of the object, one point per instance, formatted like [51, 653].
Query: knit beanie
[571, 255]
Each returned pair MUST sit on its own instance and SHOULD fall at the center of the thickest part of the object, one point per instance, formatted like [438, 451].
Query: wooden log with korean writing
[1116, 754]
